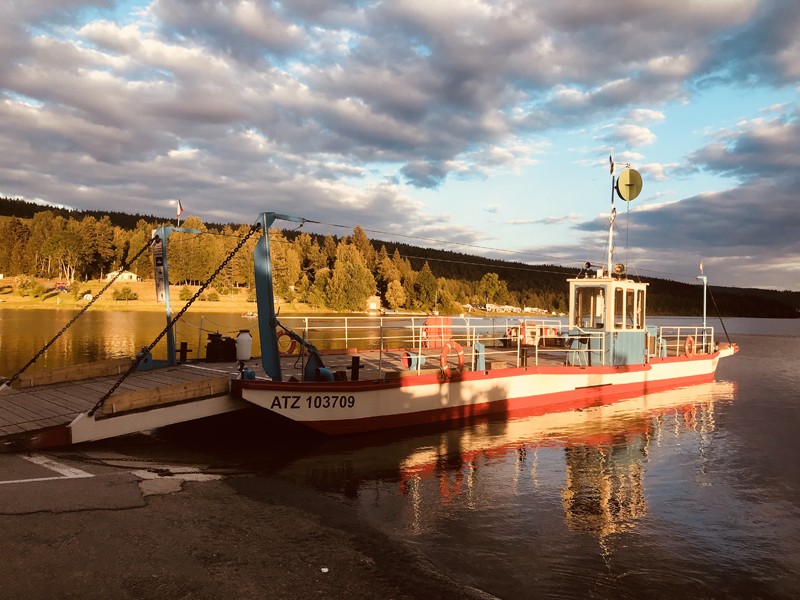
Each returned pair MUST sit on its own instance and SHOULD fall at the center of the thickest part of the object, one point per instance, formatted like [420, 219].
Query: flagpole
[611, 218]
[704, 279]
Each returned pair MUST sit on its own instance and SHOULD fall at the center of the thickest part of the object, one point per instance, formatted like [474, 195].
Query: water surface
[688, 493]
[693, 492]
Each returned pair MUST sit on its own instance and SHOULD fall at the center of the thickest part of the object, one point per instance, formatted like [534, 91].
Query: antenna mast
[611, 219]
[627, 186]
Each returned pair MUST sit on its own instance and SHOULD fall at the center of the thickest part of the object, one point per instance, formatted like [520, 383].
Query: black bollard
[355, 366]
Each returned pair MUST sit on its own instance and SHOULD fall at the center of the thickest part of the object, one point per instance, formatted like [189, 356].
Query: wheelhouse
[607, 318]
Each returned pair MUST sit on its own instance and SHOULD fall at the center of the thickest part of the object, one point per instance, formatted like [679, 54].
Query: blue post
[265, 300]
[265, 296]
[161, 272]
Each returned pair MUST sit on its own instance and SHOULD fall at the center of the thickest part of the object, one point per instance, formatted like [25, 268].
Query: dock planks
[46, 404]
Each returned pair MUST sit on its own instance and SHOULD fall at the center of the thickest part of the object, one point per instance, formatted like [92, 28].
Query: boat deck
[42, 409]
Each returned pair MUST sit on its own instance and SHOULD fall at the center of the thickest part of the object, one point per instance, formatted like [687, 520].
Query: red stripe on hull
[527, 406]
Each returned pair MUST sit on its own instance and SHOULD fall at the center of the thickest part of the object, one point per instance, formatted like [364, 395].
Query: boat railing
[417, 342]
[679, 341]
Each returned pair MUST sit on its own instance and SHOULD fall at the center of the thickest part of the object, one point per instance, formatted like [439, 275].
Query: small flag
[180, 208]
[611, 163]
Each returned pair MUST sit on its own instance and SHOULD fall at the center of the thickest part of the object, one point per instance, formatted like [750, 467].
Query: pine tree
[361, 241]
[351, 283]
[425, 287]
[395, 295]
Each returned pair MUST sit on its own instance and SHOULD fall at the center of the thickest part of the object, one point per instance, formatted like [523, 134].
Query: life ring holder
[688, 346]
[291, 347]
[446, 368]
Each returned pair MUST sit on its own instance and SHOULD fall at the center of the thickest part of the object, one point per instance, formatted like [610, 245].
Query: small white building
[123, 276]
[373, 304]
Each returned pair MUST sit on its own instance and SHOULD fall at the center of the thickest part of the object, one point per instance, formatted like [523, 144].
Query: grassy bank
[145, 292]
[146, 299]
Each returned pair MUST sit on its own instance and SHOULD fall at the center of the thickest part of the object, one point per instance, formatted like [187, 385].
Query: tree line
[333, 272]
[323, 271]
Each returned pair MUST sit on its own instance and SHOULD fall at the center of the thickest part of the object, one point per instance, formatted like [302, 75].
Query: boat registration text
[333, 401]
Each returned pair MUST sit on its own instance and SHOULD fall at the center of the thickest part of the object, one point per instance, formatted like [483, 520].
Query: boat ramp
[58, 407]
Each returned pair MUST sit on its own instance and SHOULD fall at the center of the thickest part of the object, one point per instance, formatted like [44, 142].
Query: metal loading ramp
[51, 408]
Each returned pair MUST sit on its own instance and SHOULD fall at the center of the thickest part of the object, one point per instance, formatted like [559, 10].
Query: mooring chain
[145, 351]
[36, 356]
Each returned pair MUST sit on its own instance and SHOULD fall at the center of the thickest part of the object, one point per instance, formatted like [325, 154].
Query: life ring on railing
[446, 368]
[688, 346]
[283, 347]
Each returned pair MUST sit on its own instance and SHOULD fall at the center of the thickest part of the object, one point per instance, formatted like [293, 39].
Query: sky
[467, 125]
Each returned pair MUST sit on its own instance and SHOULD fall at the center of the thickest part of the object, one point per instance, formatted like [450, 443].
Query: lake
[692, 493]
[689, 493]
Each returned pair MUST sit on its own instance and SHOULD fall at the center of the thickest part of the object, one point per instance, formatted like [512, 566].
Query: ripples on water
[693, 492]
[690, 493]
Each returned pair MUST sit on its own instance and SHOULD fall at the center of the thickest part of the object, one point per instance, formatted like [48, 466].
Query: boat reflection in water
[489, 465]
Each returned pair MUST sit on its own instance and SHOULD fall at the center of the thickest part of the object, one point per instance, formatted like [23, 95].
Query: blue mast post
[161, 271]
[265, 295]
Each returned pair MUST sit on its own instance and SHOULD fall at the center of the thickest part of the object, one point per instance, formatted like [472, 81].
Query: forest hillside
[337, 273]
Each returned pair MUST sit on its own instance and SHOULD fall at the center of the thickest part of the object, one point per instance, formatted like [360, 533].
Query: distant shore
[146, 300]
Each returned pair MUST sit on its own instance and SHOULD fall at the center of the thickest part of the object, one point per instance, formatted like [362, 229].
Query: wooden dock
[50, 408]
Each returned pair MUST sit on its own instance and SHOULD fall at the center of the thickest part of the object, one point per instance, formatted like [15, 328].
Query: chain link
[123, 267]
[141, 355]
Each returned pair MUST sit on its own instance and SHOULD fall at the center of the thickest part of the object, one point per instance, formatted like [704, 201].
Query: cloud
[764, 49]
[755, 150]
[244, 28]
[571, 218]
[326, 105]
[646, 115]
[630, 136]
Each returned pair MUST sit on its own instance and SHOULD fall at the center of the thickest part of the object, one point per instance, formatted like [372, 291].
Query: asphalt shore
[128, 533]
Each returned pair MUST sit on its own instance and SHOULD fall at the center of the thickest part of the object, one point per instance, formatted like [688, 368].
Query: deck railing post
[380, 352]
[419, 353]
[472, 346]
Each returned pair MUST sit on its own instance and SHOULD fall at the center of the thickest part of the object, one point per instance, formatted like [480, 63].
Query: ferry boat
[605, 351]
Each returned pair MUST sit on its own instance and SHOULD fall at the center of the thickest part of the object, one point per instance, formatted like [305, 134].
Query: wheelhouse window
[639, 309]
[589, 307]
[619, 308]
[628, 308]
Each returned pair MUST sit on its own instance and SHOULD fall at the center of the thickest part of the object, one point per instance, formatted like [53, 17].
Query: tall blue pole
[161, 272]
[265, 296]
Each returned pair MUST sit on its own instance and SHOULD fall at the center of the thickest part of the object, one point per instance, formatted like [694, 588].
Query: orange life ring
[283, 348]
[447, 369]
[688, 346]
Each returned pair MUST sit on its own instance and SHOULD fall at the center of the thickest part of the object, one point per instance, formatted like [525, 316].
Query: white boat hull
[359, 406]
